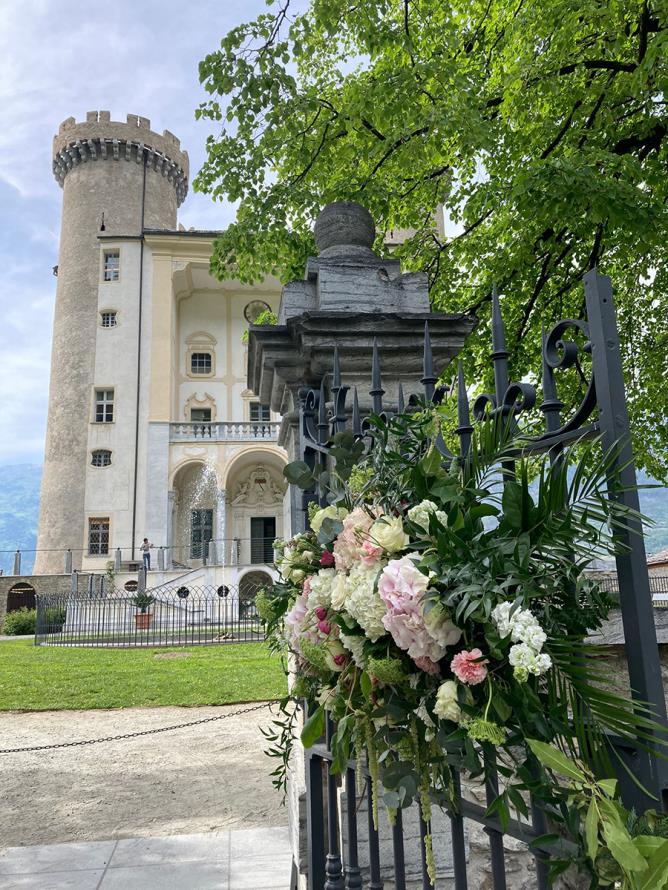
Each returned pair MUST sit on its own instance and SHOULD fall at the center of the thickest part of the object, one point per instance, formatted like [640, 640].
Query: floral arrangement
[438, 611]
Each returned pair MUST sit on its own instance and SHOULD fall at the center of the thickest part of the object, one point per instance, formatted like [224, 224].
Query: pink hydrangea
[427, 665]
[348, 545]
[468, 667]
[402, 585]
[409, 633]
[295, 622]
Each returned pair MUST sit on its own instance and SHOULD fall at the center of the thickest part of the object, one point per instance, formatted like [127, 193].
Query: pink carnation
[468, 668]
[427, 665]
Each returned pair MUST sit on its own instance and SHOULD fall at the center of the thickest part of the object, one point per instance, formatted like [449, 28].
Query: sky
[61, 58]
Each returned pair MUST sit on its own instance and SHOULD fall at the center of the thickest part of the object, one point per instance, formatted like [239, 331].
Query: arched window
[101, 457]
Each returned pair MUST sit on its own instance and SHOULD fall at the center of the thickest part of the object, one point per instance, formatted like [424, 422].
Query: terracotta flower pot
[143, 620]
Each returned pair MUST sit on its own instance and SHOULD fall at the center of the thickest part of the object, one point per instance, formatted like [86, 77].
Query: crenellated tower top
[99, 138]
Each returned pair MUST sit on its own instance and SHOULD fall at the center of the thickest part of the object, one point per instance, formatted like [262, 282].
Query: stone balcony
[224, 431]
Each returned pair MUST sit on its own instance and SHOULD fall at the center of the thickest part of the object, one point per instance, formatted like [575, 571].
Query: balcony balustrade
[224, 431]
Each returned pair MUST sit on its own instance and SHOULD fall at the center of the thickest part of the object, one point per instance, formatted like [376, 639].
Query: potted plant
[143, 617]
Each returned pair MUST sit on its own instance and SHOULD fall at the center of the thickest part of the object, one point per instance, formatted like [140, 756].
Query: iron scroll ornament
[321, 419]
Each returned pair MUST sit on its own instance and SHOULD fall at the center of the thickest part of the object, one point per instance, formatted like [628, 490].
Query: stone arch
[20, 596]
[195, 501]
[248, 455]
[249, 584]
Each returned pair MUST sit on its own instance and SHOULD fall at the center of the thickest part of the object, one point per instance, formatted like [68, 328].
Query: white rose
[447, 707]
[440, 627]
[388, 533]
[331, 512]
[339, 591]
[297, 575]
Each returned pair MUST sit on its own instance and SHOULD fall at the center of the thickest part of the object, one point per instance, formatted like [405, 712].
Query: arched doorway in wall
[21, 596]
[255, 491]
[195, 488]
[249, 585]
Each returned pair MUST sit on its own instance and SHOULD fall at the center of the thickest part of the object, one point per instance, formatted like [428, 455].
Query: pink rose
[427, 665]
[468, 667]
[327, 559]
[306, 586]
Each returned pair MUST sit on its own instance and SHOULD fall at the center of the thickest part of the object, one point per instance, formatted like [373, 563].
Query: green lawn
[39, 678]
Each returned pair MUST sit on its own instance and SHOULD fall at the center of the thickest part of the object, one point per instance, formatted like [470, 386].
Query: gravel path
[188, 781]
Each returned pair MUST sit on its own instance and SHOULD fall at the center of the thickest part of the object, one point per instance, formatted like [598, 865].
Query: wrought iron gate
[602, 413]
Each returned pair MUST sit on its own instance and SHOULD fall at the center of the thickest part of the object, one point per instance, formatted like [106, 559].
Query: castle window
[112, 265]
[108, 319]
[101, 458]
[200, 363]
[98, 536]
[104, 405]
[200, 415]
[259, 413]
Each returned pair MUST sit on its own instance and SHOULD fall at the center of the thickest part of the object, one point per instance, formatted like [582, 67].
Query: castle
[152, 432]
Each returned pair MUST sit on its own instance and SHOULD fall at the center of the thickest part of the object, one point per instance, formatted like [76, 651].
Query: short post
[91, 582]
[68, 562]
[74, 582]
[101, 585]
[205, 551]
[141, 579]
[117, 560]
[213, 553]
[161, 559]
[17, 563]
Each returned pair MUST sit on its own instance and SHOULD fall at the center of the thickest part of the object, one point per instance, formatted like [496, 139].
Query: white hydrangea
[321, 588]
[421, 512]
[528, 636]
[363, 602]
[354, 645]
[525, 660]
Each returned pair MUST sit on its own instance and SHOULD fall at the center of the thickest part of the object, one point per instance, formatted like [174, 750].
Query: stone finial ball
[344, 224]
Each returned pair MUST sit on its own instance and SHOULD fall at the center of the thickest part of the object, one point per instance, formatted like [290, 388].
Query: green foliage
[266, 317]
[142, 601]
[540, 127]
[21, 621]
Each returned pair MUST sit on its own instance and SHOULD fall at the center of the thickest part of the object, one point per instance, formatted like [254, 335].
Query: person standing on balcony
[146, 548]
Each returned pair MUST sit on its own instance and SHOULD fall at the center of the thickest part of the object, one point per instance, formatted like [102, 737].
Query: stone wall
[42, 584]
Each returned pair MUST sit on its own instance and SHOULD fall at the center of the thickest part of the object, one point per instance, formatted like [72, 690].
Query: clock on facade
[255, 308]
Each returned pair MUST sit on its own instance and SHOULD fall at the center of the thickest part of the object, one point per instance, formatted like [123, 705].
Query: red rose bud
[324, 627]
[339, 660]
[327, 559]
[321, 612]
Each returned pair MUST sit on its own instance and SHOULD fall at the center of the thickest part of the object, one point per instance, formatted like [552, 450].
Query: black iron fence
[590, 347]
[181, 616]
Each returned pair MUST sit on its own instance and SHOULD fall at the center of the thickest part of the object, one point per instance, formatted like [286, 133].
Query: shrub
[22, 621]
[54, 619]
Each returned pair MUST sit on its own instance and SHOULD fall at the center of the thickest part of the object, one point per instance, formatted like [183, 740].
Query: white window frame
[110, 269]
[104, 402]
[191, 356]
[108, 312]
[99, 543]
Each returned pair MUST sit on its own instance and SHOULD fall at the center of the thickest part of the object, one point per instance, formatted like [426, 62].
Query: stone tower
[117, 178]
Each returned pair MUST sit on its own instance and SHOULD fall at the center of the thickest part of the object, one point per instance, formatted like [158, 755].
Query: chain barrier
[135, 735]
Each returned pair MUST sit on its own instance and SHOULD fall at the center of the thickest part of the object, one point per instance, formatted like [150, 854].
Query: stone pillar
[118, 560]
[68, 562]
[349, 297]
[17, 563]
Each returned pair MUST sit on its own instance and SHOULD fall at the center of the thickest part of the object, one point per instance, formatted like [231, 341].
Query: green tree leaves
[540, 127]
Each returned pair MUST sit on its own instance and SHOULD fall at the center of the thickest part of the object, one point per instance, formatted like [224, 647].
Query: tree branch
[562, 132]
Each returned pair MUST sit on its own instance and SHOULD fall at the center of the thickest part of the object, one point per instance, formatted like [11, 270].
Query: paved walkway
[245, 859]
